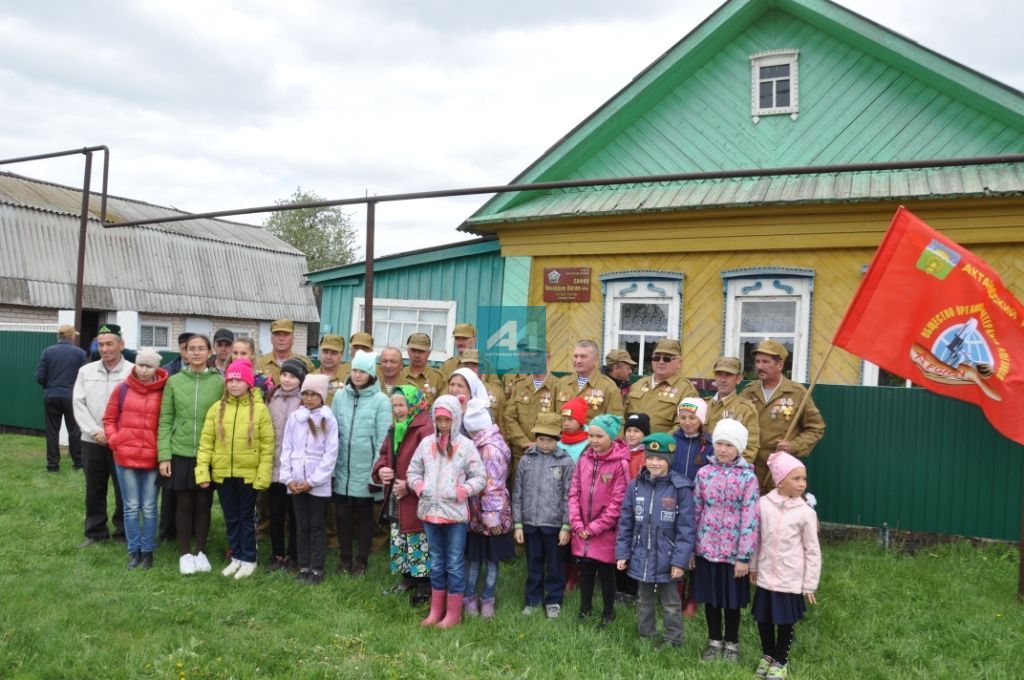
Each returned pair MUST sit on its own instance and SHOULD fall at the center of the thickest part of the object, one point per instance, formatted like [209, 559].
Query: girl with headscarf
[409, 554]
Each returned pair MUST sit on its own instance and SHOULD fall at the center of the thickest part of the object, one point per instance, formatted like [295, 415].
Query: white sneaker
[232, 567]
[553, 610]
[187, 564]
[529, 609]
[246, 569]
[202, 564]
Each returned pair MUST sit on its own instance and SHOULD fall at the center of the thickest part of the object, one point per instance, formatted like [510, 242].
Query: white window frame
[641, 286]
[770, 284]
[774, 58]
[154, 325]
[436, 353]
[869, 376]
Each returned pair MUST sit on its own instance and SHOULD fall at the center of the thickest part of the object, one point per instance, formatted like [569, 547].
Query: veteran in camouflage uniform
[282, 337]
[659, 394]
[777, 399]
[598, 390]
[429, 380]
[465, 338]
[727, 403]
[332, 347]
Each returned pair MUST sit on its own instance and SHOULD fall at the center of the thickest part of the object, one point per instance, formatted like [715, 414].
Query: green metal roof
[406, 259]
[893, 185]
[867, 95]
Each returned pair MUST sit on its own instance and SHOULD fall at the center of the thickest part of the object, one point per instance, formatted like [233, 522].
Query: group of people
[635, 486]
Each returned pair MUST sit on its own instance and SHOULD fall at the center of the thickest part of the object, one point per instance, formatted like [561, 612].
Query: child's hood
[778, 500]
[739, 462]
[453, 406]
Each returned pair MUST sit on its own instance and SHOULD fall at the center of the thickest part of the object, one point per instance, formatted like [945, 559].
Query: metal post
[371, 209]
[1020, 553]
[82, 231]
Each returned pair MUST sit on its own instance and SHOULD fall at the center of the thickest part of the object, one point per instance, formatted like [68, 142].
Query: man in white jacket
[95, 383]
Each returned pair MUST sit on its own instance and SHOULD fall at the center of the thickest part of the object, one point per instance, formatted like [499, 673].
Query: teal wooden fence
[21, 398]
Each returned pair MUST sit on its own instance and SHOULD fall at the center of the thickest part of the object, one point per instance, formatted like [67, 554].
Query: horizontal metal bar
[54, 154]
[608, 181]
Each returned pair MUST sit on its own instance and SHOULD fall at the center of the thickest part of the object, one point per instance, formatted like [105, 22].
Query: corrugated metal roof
[17, 190]
[1005, 179]
[196, 268]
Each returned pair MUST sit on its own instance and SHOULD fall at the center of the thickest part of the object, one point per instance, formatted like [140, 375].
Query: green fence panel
[916, 461]
[21, 399]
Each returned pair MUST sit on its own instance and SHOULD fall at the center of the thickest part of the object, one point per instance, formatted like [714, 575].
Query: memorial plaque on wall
[567, 284]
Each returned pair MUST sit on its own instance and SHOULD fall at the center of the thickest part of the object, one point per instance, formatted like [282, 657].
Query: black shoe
[90, 541]
[605, 621]
[420, 595]
[120, 538]
[135, 559]
[315, 578]
[403, 586]
[584, 614]
[147, 560]
[53, 469]
[359, 569]
[277, 563]
[345, 566]
[78, 466]
[302, 576]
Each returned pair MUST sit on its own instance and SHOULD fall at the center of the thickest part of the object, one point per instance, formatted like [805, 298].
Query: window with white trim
[155, 335]
[640, 308]
[774, 83]
[395, 320]
[770, 302]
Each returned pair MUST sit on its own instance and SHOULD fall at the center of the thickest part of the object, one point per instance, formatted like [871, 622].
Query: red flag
[933, 312]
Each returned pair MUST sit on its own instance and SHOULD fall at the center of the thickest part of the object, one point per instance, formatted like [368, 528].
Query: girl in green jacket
[188, 395]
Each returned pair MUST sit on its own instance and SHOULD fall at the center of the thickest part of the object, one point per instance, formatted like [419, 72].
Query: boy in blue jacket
[656, 537]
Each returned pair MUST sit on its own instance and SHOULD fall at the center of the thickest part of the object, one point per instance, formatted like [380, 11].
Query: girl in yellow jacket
[236, 452]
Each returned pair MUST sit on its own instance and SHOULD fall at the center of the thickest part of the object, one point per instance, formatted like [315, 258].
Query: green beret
[661, 445]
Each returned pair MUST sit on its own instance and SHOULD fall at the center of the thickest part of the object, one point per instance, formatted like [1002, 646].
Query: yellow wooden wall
[837, 275]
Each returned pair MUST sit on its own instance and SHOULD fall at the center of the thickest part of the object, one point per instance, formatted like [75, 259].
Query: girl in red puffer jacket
[130, 422]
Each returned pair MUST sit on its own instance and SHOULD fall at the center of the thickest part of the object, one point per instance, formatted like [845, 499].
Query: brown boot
[437, 601]
[453, 617]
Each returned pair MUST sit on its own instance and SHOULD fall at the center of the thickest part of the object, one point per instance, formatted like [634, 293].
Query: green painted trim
[404, 260]
[515, 289]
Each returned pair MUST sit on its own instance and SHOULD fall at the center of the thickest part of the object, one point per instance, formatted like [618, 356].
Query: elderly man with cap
[777, 399]
[727, 403]
[429, 380]
[465, 338]
[56, 372]
[618, 365]
[587, 382]
[332, 347]
[95, 383]
[223, 339]
[282, 337]
[659, 395]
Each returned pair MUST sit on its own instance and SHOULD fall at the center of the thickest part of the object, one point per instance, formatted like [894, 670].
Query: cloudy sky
[214, 104]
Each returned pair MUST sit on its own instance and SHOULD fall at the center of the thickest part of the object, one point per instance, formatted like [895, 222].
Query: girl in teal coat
[364, 416]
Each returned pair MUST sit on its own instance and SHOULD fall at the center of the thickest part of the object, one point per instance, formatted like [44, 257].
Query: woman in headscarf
[409, 554]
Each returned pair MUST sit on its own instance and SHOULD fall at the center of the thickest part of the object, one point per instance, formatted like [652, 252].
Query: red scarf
[574, 438]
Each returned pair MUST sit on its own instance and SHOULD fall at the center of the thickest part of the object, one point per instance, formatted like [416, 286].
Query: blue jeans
[545, 570]
[447, 544]
[138, 491]
[473, 570]
[238, 501]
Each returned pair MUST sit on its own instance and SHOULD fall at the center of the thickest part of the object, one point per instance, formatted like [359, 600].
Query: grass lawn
[948, 611]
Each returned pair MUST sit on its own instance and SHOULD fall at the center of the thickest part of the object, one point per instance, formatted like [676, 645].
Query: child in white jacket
[308, 454]
[787, 565]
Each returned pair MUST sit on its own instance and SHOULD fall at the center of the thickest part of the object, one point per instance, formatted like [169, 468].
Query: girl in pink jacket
[595, 501]
[787, 564]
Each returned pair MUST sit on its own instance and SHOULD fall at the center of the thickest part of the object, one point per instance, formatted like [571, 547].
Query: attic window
[773, 84]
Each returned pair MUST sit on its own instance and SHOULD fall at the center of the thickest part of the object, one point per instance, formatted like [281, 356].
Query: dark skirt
[480, 548]
[781, 609]
[354, 501]
[183, 475]
[715, 585]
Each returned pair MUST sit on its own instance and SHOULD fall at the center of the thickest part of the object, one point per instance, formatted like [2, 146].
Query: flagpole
[803, 403]
[1020, 550]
